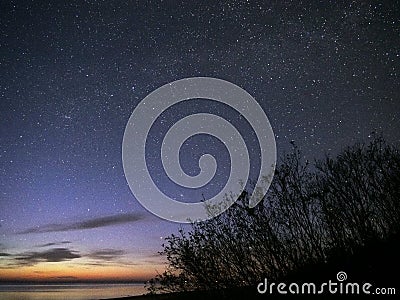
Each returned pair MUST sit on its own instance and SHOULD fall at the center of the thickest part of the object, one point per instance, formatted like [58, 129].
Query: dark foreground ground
[377, 263]
[247, 294]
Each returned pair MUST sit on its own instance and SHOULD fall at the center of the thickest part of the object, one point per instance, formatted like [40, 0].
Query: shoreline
[235, 293]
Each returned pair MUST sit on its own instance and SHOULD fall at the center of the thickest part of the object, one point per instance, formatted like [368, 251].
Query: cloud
[65, 277]
[87, 224]
[53, 244]
[52, 255]
[106, 254]
[99, 257]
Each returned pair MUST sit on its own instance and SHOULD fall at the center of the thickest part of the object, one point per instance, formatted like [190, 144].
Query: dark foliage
[337, 212]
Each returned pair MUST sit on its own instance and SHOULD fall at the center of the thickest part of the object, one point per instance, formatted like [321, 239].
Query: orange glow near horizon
[69, 271]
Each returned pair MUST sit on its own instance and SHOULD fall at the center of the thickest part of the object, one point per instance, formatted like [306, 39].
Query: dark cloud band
[87, 224]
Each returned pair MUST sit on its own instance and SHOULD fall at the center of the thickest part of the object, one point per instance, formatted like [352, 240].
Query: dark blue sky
[325, 72]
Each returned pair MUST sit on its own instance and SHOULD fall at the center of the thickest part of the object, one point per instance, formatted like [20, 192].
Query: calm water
[69, 291]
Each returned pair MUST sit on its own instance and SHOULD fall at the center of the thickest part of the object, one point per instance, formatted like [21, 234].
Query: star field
[325, 73]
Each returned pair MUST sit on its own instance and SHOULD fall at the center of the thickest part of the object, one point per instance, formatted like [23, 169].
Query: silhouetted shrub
[311, 215]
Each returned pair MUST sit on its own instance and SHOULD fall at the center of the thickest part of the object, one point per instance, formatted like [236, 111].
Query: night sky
[72, 72]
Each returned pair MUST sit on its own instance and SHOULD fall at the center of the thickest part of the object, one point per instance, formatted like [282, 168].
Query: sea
[69, 291]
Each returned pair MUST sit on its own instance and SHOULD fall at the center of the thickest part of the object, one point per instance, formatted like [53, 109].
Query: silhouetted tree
[311, 213]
